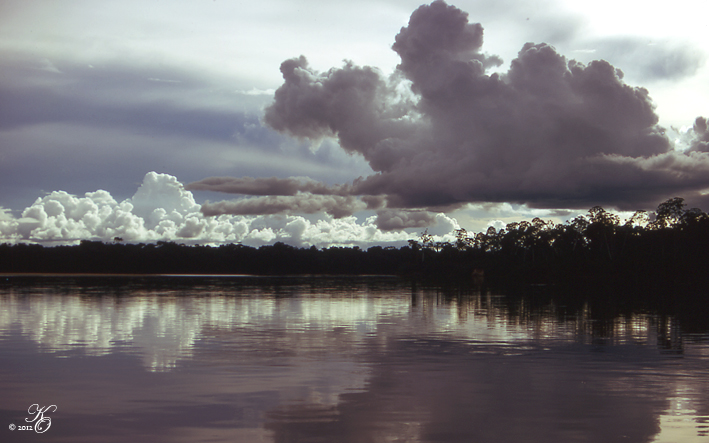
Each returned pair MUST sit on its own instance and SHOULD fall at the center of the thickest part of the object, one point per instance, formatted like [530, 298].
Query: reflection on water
[339, 360]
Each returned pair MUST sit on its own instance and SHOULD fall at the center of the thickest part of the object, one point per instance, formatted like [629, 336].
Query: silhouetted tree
[673, 249]
[669, 213]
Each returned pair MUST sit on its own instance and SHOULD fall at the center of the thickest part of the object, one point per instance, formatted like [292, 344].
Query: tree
[462, 241]
[426, 239]
[669, 213]
[638, 220]
[601, 229]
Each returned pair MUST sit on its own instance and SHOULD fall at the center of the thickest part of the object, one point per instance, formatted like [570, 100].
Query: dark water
[337, 360]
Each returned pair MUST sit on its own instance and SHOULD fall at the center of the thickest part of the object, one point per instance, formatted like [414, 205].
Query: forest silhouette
[671, 250]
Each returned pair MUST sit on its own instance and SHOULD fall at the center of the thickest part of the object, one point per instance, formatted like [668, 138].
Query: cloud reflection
[357, 362]
[165, 328]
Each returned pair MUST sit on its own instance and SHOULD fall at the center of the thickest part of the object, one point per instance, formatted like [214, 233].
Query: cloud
[441, 132]
[334, 205]
[394, 219]
[650, 60]
[120, 122]
[440, 224]
[439, 42]
[46, 65]
[341, 102]
[254, 91]
[449, 127]
[8, 224]
[161, 196]
[163, 210]
[146, 99]
[700, 135]
[265, 186]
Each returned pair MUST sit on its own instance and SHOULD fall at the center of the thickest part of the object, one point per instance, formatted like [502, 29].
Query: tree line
[672, 248]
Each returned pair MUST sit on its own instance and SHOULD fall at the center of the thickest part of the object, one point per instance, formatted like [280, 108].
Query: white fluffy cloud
[163, 210]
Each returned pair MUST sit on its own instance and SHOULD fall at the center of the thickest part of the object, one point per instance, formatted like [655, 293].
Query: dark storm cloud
[701, 135]
[442, 132]
[342, 102]
[550, 132]
[440, 35]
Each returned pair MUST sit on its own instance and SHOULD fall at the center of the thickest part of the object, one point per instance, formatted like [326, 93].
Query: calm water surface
[187, 359]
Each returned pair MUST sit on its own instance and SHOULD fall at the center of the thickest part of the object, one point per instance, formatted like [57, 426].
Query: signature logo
[41, 423]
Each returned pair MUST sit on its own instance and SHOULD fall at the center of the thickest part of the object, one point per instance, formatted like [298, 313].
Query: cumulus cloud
[163, 210]
[342, 102]
[442, 131]
[700, 135]
[161, 197]
[159, 209]
[8, 224]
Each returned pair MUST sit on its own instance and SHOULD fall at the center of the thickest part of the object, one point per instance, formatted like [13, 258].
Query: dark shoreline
[660, 262]
[605, 302]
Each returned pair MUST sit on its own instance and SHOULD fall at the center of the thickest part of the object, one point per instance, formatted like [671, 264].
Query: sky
[343, 123]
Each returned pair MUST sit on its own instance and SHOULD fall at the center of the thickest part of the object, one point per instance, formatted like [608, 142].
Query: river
[337, 359]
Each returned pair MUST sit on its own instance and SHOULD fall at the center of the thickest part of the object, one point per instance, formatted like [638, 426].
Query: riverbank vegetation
[671, 249]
